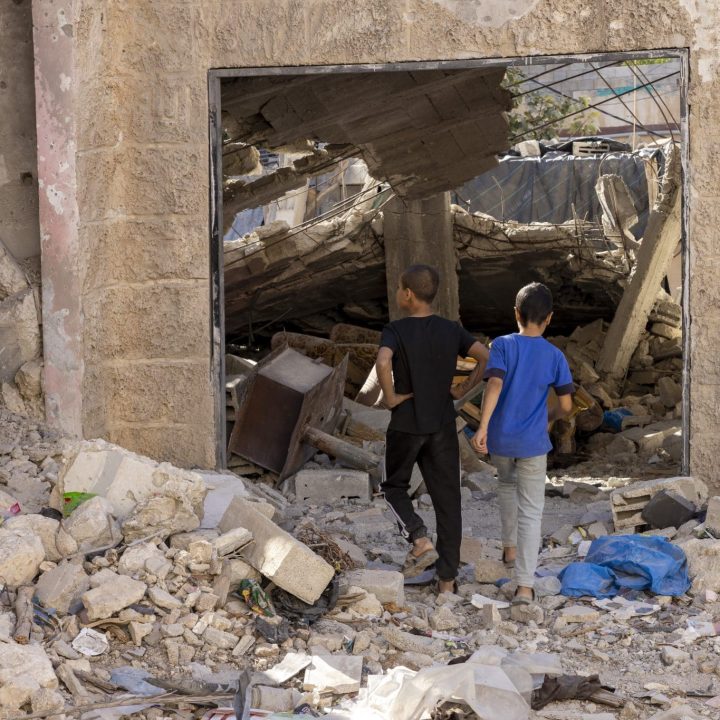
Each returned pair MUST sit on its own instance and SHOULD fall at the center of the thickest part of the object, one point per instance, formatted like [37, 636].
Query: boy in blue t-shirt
[514, 427]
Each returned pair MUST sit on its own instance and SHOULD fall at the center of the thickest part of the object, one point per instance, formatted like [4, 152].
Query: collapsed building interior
[557, 171]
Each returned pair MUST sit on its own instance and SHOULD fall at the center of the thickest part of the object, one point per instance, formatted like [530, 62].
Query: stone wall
[141, 239]
[18, 162]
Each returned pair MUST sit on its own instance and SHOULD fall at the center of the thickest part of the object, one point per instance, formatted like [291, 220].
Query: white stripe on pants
[521, 496]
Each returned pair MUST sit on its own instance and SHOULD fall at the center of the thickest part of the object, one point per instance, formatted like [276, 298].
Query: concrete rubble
[168, 600]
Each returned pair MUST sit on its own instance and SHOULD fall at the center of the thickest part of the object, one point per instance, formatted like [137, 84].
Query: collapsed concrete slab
[281, 558]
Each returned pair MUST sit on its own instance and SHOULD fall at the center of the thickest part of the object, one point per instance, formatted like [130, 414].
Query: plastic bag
[634, 562]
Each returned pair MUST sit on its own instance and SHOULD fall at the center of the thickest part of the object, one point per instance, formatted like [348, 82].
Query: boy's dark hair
[534, 303]
[423, 280]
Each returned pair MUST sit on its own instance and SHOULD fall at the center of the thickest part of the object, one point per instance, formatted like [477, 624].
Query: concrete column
[420, 231]
[56, 112]
[654, 257]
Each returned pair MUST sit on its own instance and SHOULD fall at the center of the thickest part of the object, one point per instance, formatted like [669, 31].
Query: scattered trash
[565, 687]
[135, 681]
[90, 643]
[628, 561]
[256, 598]
[295, 609]
[73, 500]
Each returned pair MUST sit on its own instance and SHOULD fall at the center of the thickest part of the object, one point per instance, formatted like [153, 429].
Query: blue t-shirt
[528, 367]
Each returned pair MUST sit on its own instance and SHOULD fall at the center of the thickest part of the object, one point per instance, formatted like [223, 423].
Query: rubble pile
[162, 590]
[641, 415]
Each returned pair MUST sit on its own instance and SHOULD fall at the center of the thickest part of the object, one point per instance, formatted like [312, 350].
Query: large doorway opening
[327, 181]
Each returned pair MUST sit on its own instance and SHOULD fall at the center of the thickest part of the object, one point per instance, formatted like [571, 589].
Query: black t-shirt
[425, 351]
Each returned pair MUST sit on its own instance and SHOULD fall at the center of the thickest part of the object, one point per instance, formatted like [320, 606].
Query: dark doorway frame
[217, 294]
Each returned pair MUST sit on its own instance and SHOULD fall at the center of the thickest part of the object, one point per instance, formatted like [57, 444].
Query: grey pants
[521, 496]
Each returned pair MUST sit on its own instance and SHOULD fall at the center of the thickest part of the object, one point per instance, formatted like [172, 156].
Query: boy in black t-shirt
[415, 366]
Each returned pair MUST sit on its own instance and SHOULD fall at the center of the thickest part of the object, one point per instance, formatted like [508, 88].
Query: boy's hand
[457, 391]
[479, 441]
[393, 400]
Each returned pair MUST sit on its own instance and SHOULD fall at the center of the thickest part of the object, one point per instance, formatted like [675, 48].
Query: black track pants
[438, 456]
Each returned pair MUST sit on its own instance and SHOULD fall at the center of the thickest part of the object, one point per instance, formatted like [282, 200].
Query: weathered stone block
[281, 558]
[388, 586]
[24, 669]
[111, 597]
[61, 587]
[327, 486]
[21, 553]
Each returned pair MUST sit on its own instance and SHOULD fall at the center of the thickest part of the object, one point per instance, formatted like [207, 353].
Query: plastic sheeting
[632, 562]
[547, 188]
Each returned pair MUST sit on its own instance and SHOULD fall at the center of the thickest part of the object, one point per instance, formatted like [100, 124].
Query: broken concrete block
[669, 391]
[620, 445]
[472, 548]
[220, 638]
[578, 614]
[290, 564]
[102, 576]
[325, 486]
[47, 701]
[388, 586]
[21, 553]
[238, 570]
[62, 587]
[491, 615]
[672, 655]
[11, 399]
[596, 530]
[712, 518]
[92, 525]
[163, 599]
[674, 446]
[407, 642]
[444, 619]
[356, 553]
[667, 509]
[704, 563]
[338, 674]
[111, 597]
[666, 331]
[133, 560]
[171, 510]
[24, 669]
[628, 502]
[489, 571]
[44, 527]
[28, 380]
[231, 541]
[19, 333]
[126, 479]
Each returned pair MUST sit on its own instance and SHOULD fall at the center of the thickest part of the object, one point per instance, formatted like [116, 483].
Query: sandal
[522, 599]
[416, 564]
[506, 562]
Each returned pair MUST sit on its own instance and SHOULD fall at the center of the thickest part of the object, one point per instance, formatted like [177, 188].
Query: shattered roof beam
[423, 132]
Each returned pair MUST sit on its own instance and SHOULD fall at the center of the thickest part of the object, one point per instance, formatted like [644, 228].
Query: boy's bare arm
[383, 365]
[562, 409]
[481, 354]
[489, 403]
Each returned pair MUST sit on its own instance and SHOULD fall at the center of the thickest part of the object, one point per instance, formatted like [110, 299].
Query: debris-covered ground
[166, 593]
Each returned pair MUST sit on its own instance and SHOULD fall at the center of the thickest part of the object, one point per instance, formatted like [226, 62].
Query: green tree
[542, 115]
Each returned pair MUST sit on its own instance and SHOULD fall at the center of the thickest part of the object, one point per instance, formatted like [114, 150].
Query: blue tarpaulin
[633, 562]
